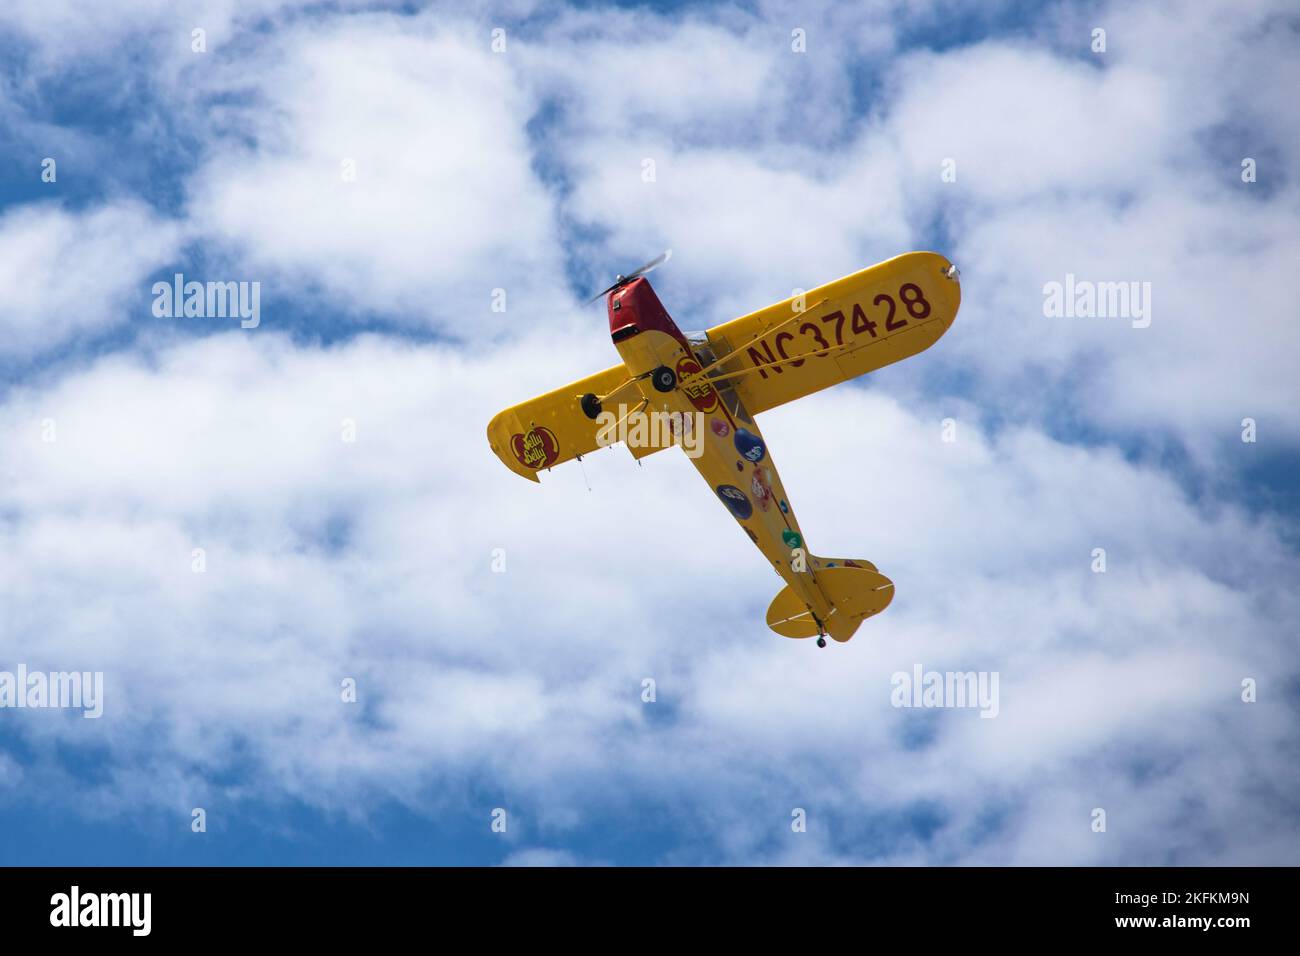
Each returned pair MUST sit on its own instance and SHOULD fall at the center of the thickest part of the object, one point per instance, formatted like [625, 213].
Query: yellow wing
[552, 428]
[838, 331]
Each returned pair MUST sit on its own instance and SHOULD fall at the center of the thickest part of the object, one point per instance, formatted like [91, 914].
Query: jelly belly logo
[701, 394]
[535, 448]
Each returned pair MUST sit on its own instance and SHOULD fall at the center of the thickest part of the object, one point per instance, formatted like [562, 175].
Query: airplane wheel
[664, 378]
[821, 642]
[590, 406]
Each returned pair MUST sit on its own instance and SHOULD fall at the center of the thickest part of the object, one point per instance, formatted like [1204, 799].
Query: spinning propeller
[621, 281]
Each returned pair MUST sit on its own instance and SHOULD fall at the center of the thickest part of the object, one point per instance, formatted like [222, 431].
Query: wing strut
[765, 365]
[768, 331]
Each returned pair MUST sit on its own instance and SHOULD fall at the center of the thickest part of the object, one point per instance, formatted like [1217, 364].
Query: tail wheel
[664, 378]
[821, 642]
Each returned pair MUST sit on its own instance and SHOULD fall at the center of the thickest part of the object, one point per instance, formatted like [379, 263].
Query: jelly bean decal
[749, 445]
[735, 501]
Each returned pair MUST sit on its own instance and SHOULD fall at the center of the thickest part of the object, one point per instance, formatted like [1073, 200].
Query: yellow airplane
[703, 390]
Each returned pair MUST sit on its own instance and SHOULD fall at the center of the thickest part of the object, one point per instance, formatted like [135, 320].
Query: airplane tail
[854, 589]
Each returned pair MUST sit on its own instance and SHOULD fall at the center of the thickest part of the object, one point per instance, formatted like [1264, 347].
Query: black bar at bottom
[340, 904]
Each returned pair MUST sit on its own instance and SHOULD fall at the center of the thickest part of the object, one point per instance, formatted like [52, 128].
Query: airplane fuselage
[732, 457]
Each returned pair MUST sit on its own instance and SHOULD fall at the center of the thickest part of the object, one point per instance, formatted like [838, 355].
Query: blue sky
[523, 170]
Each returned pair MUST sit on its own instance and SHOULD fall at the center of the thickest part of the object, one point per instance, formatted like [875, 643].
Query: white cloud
[386, 163]
[65, 274]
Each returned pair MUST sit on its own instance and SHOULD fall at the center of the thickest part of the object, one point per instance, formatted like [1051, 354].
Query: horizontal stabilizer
[854, 589]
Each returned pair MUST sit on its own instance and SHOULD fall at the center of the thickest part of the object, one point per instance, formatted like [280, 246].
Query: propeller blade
[602, 293]
[650, 266]
[621, 281]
